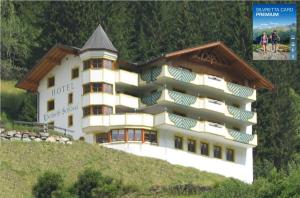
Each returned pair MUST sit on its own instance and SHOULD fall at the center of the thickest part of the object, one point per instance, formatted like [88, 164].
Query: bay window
[97, 87]
[118, 135]
[97, 63]
[97, 110]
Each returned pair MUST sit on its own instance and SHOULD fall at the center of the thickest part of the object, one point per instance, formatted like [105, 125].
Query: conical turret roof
[99, 41]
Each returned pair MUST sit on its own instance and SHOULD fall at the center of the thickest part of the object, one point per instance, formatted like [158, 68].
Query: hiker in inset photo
[274, 39]
[264, 42]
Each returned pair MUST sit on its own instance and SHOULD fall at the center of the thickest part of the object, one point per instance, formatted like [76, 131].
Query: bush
[28, 108]
[61, 194]
[230, 188]
[109, 188]
[186, 189]
[5, 122]
[47, 184]
[87, 181]
[92, 184]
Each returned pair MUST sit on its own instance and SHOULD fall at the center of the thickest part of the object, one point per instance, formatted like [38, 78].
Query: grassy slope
[21, 163]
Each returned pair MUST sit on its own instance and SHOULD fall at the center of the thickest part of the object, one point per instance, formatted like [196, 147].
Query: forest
[143, 30]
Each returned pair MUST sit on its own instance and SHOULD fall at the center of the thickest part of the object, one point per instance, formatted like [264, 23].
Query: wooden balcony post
[126, 135]
[143, 135]
[109, 136]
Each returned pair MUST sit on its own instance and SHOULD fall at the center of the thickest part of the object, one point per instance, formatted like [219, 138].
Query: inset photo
[274, 32]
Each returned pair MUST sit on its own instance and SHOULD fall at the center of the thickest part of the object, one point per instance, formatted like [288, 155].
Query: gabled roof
[237, 63]
[52, 58]
[99, 41]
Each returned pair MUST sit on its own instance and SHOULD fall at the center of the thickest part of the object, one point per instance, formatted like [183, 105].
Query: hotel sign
[63, 89]
[60, 112]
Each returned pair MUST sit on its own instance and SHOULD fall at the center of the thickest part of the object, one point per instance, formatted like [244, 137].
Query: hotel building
[190, 107]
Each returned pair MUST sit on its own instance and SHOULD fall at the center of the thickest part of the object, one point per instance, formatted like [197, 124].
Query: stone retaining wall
[13, 135]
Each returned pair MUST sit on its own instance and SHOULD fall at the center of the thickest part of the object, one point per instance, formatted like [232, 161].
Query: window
[131, 135]
[218, 152]
[178, 90]
[204, 150]
[102, 138]
[118, 135]
[150, 136]
[70, 98]
[97, 110]
[86, 88]
[86, 111]
[134, 134]
[107, 88]
[236, 105]
[97, 87]
[185, 69]
[230, 154]
[51, 81]
[107, 64]
[192, 145]
[179, 114]
[75, 73]
[106, 110]
[178, 142]
[96, 63]
[86, 64]
[70, 120]
[50, 105]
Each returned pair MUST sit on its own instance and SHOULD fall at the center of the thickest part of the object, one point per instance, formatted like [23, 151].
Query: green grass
[21, 163]
[9, 87]
[11, 98]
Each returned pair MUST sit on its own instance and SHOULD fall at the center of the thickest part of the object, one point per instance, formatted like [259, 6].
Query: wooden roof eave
[49, 60]
[262, 80]
[261, 83]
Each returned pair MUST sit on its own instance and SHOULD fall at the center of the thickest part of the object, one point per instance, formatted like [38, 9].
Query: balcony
[126, 77]
[98, 75]
[98, 98]
[168, 121]
[202, 82]
[127, 101]
[241, 114]
[240, 91]
[203, 129]
[121, 77]
[220, 110]
[107, 122]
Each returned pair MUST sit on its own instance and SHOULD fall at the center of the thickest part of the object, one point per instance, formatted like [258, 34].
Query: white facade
[88, 126]
[242, 171]
[161, 111]
[64, 85]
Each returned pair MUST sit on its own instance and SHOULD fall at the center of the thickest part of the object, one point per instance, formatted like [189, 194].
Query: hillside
[21, 163]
